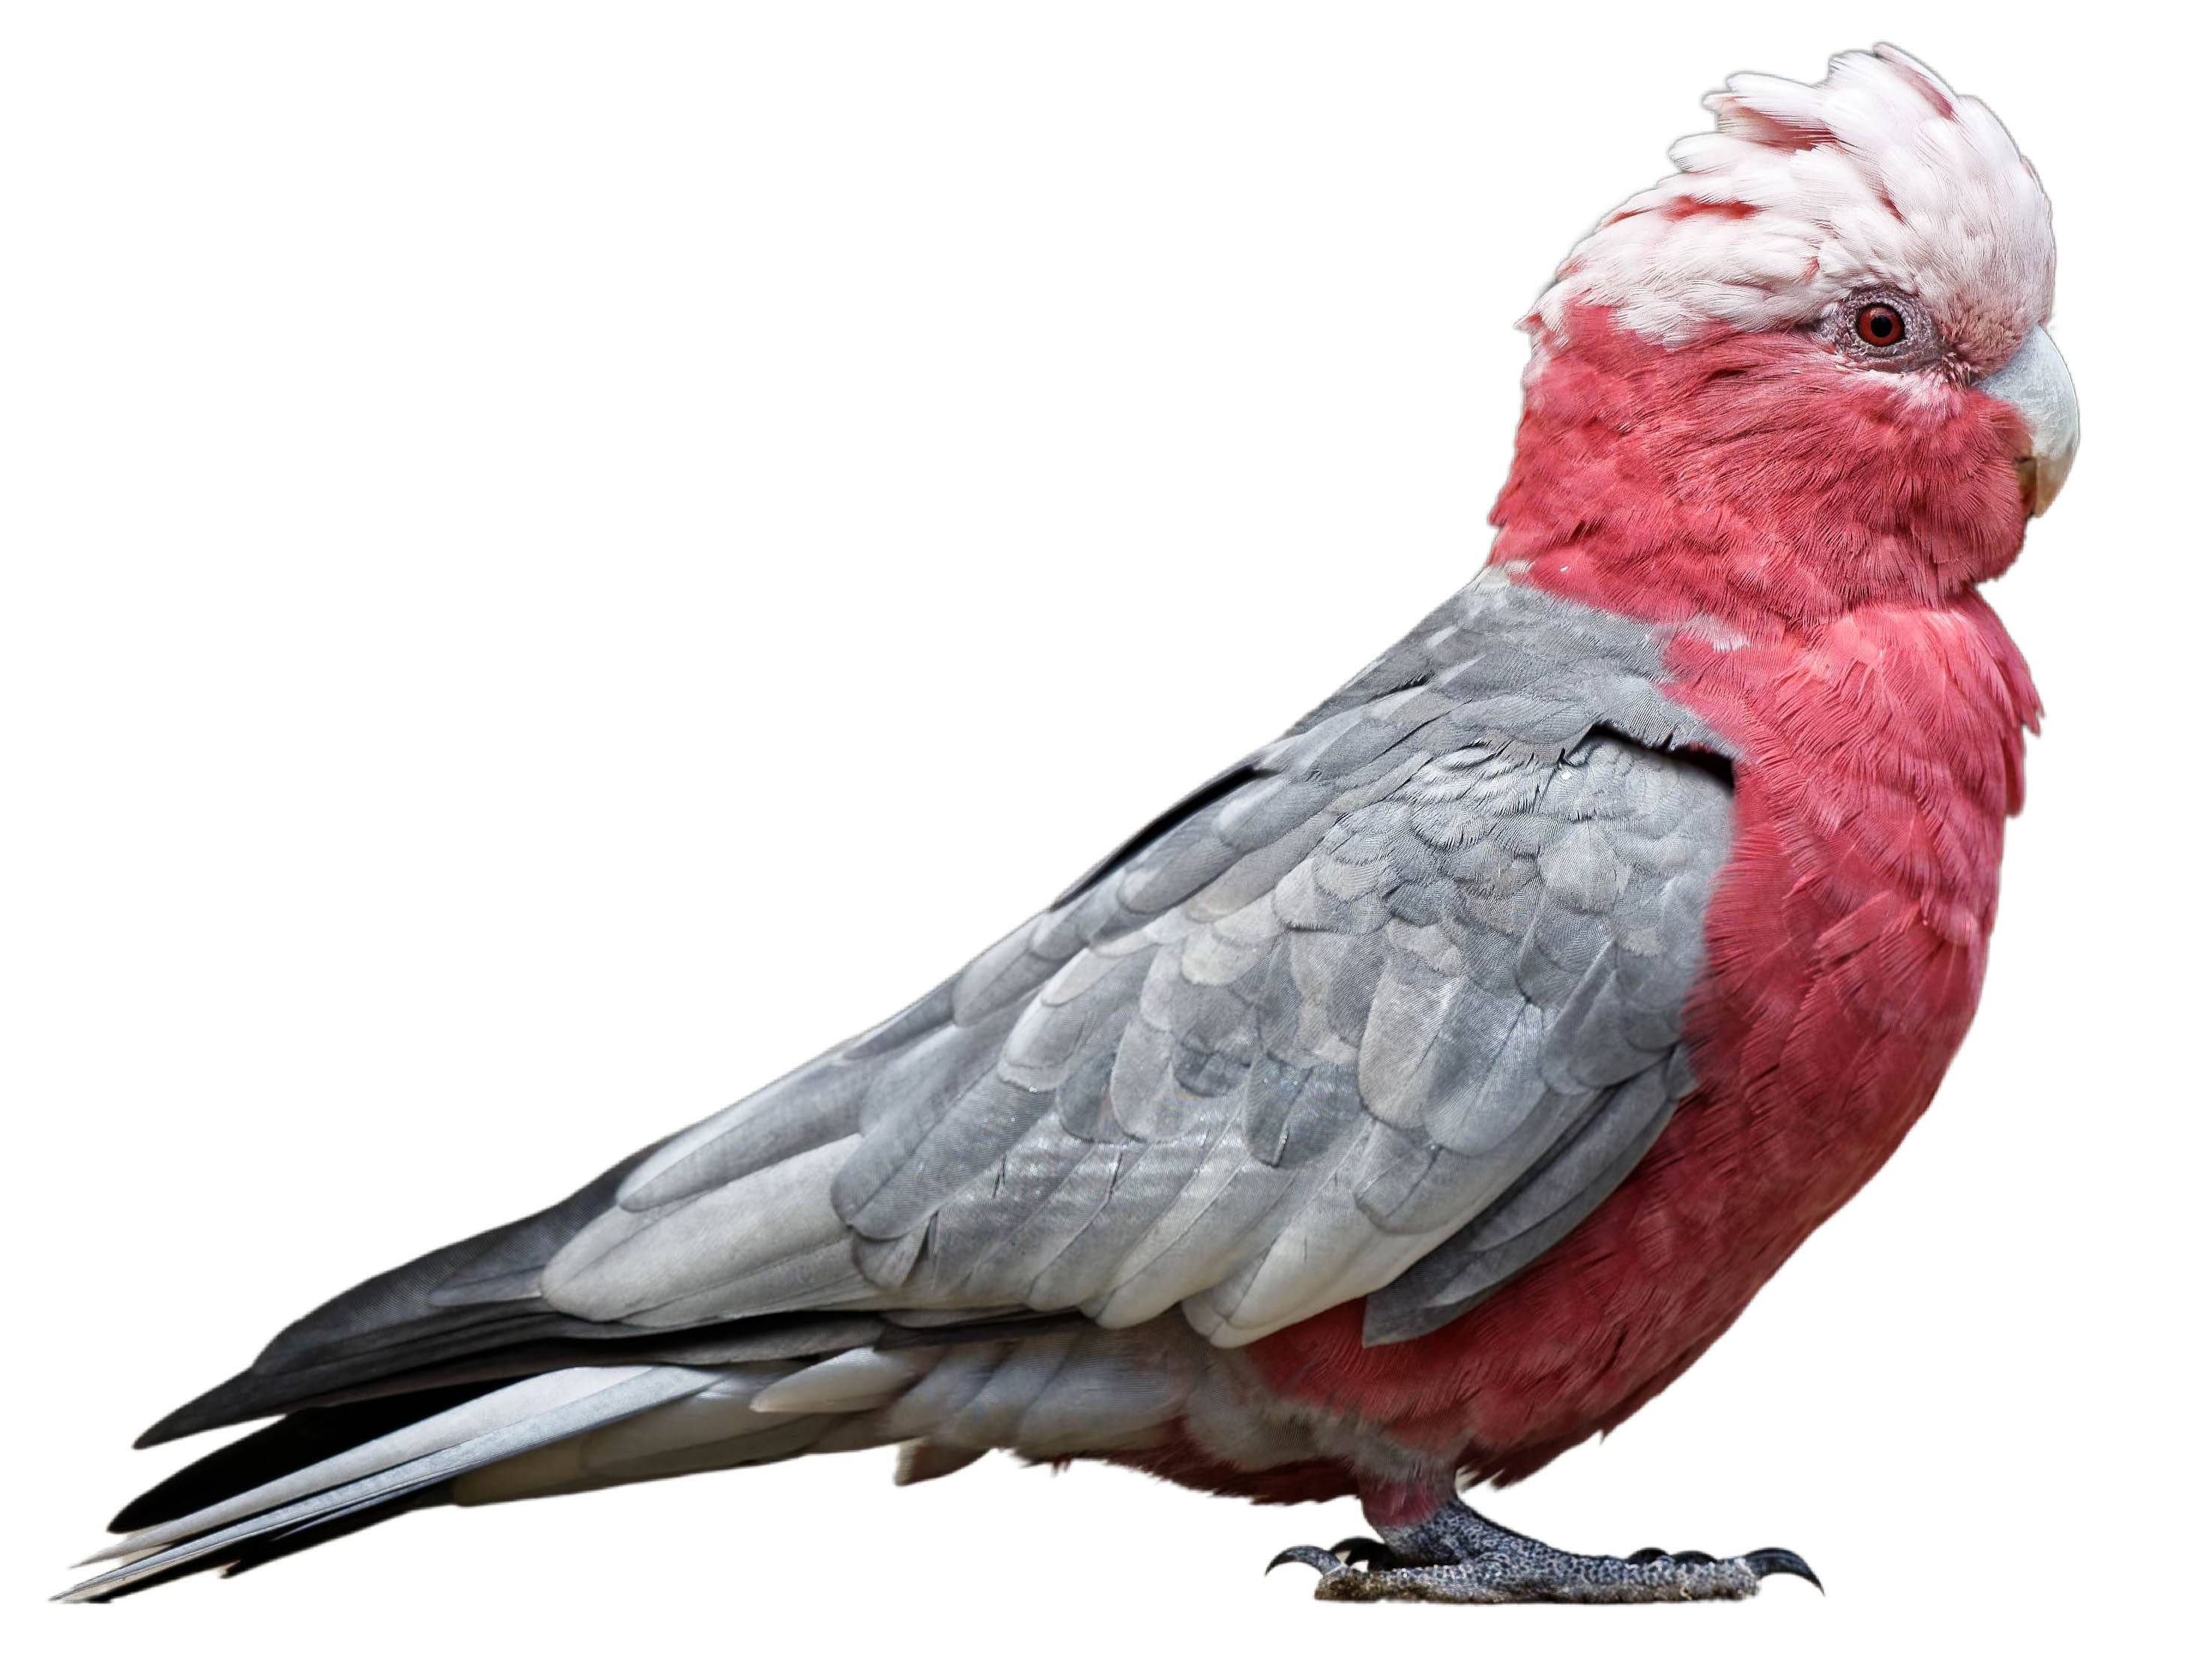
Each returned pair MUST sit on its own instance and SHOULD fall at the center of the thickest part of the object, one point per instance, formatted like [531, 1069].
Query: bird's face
[1821, 345]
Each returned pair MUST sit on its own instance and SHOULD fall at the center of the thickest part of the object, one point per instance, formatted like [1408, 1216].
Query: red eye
[1879, 325]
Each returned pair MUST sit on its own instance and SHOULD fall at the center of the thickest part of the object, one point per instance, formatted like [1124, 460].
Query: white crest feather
[1878, 176]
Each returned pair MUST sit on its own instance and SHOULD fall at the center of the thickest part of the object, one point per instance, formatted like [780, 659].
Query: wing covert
[1391, 1004]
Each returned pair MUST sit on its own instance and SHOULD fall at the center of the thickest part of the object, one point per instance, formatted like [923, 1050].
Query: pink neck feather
[1750, 479]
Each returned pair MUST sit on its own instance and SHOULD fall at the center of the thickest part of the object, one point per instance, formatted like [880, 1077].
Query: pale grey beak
[2035, 382]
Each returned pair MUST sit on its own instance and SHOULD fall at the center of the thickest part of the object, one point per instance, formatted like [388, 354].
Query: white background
[560, 560]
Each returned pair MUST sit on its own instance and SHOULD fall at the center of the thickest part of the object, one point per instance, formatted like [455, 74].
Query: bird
[1422, 1094]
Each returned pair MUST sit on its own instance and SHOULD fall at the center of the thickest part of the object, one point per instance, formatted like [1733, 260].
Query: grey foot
[1456, 1555]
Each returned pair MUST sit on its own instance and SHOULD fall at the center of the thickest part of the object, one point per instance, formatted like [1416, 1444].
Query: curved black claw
[1366, 1554]
[1321, 1561]
[1767, 1563]
[1646, 1556]
[1693, 1558]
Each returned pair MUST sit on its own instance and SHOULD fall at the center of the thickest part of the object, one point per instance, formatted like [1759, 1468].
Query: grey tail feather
[273, 1546]
[289, 1443]
[409, 1467]
[398, 1321]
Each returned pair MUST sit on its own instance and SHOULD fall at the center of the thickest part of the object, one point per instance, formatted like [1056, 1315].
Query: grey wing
[1393, 1004]
[1383, 1011]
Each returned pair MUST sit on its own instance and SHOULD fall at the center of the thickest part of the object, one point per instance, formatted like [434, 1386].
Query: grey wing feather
[1402, 988]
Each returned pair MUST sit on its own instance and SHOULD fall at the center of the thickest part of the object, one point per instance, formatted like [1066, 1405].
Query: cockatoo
[1421, 1096]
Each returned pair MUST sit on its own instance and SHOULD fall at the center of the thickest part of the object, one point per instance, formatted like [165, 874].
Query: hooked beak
[2035, 382]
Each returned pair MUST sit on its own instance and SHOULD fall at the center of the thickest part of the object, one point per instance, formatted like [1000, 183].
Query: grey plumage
[546, 1410]
[1417, 958]
[1381, 1011]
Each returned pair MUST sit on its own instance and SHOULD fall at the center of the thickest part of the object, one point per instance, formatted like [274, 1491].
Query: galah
[1422, 1094]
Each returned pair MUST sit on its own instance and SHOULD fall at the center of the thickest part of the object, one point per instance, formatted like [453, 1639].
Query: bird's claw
[1769, 1562]
[1763, 1564]
[1322, 1561]
[1359, 1554]
[1366, 1554]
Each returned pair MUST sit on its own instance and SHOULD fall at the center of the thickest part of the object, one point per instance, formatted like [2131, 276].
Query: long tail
[1044, 1390]
[405, 1469]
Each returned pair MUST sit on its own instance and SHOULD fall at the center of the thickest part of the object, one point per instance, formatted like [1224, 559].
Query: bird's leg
[1451, 1554]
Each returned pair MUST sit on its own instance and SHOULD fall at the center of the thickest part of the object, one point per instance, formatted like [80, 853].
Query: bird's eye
[1879, 325]
[1881, 328]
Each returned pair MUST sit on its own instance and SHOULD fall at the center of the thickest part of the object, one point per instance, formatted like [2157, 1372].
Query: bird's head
[1806, 370]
